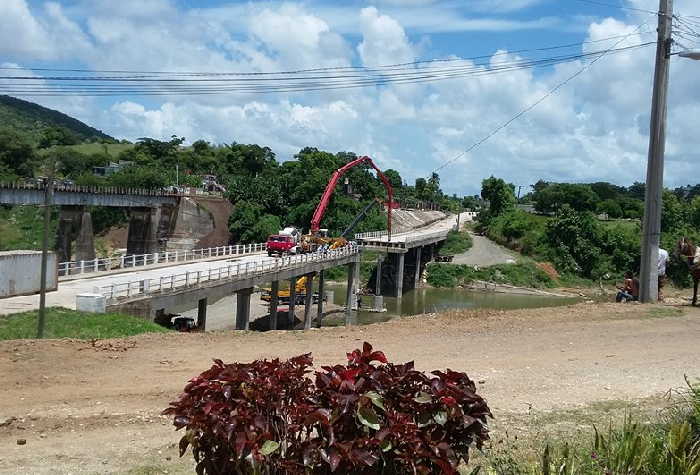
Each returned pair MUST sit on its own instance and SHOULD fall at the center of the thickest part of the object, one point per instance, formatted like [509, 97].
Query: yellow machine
[284, 295]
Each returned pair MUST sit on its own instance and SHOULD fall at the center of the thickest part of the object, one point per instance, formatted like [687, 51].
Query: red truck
[286, 242]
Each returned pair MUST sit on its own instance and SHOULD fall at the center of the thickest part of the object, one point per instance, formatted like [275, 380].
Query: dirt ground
[93, 407]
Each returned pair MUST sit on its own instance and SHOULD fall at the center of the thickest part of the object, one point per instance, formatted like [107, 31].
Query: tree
[610, 207]
[499, 194]
[393, 177]
[17, 156]
[637, 190]
[579, 197]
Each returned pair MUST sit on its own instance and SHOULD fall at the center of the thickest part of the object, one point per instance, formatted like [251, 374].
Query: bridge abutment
[274, 302]
[144, 225]
[321, 295]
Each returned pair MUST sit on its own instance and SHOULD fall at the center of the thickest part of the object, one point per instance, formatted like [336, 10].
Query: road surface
[87, 407]
[483, 253]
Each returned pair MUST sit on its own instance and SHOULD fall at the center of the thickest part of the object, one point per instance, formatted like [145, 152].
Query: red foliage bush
[369, 416]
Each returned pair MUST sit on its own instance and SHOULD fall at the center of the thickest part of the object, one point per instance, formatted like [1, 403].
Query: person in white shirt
[663, 259]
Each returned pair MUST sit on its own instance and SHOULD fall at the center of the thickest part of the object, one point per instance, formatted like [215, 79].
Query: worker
[663, 259]
[630, 289]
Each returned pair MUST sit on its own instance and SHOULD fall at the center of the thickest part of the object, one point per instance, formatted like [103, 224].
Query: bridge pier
[274, 302]
[351, 295]
[75, 224]
[319, 309]
[243, 309]
[416, 281]
[143, 231]
[202, 314]
[291, 316]
[308, 301]
[400, 260]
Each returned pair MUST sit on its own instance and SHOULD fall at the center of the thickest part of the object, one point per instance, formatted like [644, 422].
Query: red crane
[326, 197]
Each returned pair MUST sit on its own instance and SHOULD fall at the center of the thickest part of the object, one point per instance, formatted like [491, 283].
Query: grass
[666, 443]
[111, 149]
[64, 323]
[523, 274]
[664, 312]
[456, 243]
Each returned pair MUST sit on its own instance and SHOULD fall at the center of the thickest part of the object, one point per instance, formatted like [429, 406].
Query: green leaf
[385, 445]
[376, 399]
[269, 447]
[368, 417]
[440, 418]
[423, 398]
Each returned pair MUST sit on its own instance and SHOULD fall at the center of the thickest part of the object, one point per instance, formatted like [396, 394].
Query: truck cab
[281, 244]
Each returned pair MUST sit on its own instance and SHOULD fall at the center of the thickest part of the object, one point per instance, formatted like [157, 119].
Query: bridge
[152, 285]
[155, 216]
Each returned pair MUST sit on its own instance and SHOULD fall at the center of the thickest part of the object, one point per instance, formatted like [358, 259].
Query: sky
[594, 128]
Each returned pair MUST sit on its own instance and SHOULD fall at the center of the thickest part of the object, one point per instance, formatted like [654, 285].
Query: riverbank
[94, 408]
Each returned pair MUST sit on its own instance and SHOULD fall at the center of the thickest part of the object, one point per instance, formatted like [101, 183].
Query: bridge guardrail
[371, 234]
[140, 260]
[106, 190]
[172, 282]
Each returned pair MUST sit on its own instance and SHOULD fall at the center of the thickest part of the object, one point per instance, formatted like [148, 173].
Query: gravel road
[94, 407]
[484, 252]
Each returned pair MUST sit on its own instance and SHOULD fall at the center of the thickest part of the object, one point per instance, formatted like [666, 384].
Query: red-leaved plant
[369, 416]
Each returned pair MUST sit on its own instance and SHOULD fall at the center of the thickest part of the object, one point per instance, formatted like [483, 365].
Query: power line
[551, 92]
[103, 86]
[621, 7]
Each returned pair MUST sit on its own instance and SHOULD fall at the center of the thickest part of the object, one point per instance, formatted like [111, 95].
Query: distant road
[483, 253]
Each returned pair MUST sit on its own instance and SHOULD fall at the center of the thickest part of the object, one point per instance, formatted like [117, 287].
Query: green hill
[33, 121]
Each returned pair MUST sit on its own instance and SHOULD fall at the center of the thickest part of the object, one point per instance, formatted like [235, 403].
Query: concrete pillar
[416, 282]
[143, 231]
[243, 309]
[308, 301]
[321, 294]
[400, 258]
[275, 291]
[75, 224]
[351, 295]
[378, 303]
[378, 280]
[292, 301]
[202, 314]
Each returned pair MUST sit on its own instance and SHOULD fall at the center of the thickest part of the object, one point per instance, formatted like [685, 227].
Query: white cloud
[595, 128]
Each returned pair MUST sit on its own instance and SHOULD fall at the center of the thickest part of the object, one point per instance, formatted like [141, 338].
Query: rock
[21, 441]
[482, 381]
[7, 421]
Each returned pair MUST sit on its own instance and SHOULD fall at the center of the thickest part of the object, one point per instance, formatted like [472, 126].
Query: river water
[431, 300]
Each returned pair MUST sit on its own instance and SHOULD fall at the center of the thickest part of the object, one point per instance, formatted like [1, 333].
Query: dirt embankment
[87, 407]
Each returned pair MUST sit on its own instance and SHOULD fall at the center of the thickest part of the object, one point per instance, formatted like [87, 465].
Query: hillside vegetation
[33, 122]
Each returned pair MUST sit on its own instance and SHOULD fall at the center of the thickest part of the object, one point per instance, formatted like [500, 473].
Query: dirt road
[484, 252]
[87, 407]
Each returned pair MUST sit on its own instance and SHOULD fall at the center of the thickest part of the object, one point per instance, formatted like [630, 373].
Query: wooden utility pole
[651, 231]
[48, 198]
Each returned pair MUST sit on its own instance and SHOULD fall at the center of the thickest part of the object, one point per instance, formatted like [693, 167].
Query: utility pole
[48, 198]
[520, 187]
[651, 231]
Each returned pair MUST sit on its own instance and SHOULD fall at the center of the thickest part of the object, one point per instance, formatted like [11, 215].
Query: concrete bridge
[158, 220]
[165, 284]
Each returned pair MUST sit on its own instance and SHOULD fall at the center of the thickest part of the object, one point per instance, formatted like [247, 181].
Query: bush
[456, 243]
[525, 274]
[368, 416]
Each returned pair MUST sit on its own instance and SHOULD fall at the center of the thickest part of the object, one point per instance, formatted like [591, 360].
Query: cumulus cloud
[593, 129]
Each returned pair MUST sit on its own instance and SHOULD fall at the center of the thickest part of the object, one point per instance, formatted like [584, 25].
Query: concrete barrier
[20, 273]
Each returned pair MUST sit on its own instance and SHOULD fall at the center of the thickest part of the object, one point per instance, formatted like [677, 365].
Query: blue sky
[593, 129]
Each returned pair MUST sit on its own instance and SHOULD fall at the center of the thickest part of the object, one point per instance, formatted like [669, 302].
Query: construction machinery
[285, 295]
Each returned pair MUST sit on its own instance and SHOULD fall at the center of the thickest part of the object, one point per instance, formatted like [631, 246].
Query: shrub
[524, 274]
[369, 416]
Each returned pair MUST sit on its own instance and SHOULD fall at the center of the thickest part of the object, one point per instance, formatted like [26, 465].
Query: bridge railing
[140, 260]
[110, 190]
[371, 234]
[238, 271]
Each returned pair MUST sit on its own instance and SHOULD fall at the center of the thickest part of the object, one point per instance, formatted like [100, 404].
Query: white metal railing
[371, 234]
[240, 270]
[139, 260]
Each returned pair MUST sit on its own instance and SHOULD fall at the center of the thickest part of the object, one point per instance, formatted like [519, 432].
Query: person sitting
[630, 290]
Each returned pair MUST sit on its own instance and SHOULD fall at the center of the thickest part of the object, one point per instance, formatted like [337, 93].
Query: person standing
[663, 259]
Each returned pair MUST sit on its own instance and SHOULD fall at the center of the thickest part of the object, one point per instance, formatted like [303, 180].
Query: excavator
[317, 237]
[285, 295]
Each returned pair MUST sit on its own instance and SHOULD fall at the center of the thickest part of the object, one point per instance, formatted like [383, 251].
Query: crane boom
[326, 197]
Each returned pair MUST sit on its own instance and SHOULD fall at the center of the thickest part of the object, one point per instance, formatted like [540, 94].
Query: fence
[371, 234]
[139, 260]
[172, 282]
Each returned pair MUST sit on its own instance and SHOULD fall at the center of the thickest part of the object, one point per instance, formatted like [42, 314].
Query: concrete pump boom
[326, 197]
